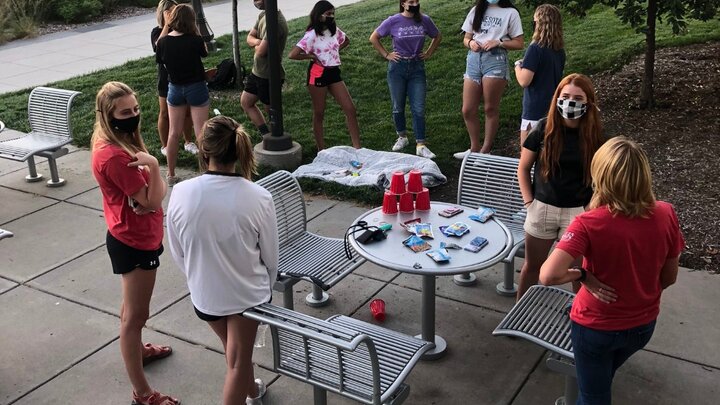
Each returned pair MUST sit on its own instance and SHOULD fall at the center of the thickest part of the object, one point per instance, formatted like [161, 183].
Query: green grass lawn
[596, 43]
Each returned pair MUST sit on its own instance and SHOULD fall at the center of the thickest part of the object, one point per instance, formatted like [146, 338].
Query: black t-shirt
[548, 65]
[566, 187]
[162, 73]
[181, 56]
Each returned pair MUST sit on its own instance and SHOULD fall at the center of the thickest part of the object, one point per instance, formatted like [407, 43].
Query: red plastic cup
[397, 183]
[422, 200]
[377, 308]
[390, 204]
[406, 203]
[414, 184]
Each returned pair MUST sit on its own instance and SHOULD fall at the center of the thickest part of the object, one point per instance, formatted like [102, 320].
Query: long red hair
[590, 128]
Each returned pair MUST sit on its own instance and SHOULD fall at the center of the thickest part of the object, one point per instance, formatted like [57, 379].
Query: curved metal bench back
[491, 181]
[289, 204]
[343, 355]
[49, 111]
[541, 316]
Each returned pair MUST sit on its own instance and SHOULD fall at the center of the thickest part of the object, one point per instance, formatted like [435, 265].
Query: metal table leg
[428, 320]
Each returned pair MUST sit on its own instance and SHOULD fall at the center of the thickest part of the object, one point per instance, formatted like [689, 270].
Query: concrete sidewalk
[63, 55]
[59, 323]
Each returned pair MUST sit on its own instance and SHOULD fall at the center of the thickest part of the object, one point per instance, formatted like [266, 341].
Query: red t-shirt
[626, 254]
[117, 182]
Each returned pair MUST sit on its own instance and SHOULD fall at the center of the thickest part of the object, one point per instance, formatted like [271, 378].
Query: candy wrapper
[456, 229]
[439, 255]
[424, 230]
[483, 214]
[417, 244]
[455, 246]
[410, 225]
[476, 244]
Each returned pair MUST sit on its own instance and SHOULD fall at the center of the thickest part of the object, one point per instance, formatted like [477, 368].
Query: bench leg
[319, 395]
[508, 288]
[55, 180]
[318, 297]
[288, 298]
[465, 279]
[33, 176]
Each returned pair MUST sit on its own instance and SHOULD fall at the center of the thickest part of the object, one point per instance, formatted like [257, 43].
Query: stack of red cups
[414, 197]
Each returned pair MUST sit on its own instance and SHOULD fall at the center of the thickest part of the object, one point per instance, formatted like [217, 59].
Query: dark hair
[417, 17]
[225, 141]
[480, 8]
[316, 24]
[182, 19]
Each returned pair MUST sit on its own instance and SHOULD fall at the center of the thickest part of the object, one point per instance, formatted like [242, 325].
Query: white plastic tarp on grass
[334, 164]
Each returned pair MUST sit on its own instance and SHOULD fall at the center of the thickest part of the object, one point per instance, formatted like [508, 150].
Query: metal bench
[5, 234]
[49, 116]
[491, 181]
[360, 361]
[542, 317]
[304, 255]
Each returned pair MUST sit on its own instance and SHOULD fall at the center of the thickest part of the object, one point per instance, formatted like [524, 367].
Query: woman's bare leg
[493, 88]
[472, 95]
[340, 91]
[318, 95]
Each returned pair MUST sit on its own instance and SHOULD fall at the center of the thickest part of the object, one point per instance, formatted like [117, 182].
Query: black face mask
[414, 9]
[127, 125]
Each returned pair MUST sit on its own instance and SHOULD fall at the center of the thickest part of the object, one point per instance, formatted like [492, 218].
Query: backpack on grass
[224, 76]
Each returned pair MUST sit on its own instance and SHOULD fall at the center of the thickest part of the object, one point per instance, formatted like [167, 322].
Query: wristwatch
[583, 273]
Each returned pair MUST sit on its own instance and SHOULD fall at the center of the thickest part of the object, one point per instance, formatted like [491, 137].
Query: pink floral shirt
[325, 47]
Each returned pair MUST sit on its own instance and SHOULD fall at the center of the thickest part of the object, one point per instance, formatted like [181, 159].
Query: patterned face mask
[571, 109]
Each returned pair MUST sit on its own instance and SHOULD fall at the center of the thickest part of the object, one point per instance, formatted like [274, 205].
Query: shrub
[78, 10]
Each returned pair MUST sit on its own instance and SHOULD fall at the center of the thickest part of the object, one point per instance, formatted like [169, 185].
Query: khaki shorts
[546, 221]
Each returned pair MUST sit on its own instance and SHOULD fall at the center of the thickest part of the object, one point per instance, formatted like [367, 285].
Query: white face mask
[571, 109]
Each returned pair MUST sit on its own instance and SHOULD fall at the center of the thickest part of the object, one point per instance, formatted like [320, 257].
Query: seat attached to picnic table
[542, 317]
[49, 116]
[304, 255]
[355, 359]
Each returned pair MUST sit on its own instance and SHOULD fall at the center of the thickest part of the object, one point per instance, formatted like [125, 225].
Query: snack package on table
[439, 255]
[483, 214]
[456, 229]
[410, 225]
[424, 230]
[476, 244]
[444, 245]
[417, 244]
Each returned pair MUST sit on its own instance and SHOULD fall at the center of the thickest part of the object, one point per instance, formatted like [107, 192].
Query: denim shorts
[196, 94]
[545, 221]
[492, 63]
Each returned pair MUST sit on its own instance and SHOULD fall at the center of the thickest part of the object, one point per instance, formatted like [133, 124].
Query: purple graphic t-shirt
[408, 36]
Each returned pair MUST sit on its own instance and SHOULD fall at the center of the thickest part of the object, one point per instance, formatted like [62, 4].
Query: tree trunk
[236, 47]
[647, 98]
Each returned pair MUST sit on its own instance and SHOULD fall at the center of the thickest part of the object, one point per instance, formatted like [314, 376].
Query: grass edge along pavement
[596, 43]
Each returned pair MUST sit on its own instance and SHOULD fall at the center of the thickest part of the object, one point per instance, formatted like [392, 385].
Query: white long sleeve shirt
[222, 232]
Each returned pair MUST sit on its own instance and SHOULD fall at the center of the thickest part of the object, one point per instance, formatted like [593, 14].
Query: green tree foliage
[643, 16]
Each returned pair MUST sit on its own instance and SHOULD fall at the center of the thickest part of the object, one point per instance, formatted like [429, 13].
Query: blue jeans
[598, 354]
[406, 78]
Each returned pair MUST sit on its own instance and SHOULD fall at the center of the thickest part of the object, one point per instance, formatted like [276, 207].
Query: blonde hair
[163, 6]
[182, 19]
[105, 103]
[225, 141]
[621, 178]
[548, 28]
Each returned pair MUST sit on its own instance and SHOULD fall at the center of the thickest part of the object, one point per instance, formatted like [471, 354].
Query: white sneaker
[461, 155]
[192, 148]
[261, 389]
[163, 150]
[424, 151]
[400, 144]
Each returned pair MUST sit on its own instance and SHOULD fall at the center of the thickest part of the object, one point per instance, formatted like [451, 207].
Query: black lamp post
[278, 140]
[205, 31]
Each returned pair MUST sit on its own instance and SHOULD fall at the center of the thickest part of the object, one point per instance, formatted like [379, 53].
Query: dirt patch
[681, 136]
[118, 13]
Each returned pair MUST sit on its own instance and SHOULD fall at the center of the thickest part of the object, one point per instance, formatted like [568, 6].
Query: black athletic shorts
[321, 76]
[207, 317]
[125, 259]
[259, 87]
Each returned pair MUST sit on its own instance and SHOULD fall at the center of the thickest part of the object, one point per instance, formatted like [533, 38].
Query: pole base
[465, 280]
[33, 179]
[506, 292]
[436, 352]
[277, 143]
[288, 159]
[311, 301]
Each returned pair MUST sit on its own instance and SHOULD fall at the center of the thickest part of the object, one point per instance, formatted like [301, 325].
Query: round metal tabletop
[392, 254]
